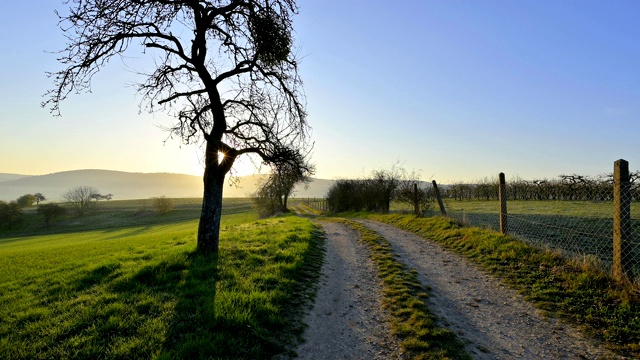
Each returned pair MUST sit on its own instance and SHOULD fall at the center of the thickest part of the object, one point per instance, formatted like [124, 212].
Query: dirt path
[347, 320]
[494, 321]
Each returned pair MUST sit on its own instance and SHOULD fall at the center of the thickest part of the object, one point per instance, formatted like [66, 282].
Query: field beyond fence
[594, 221]
[579, 229]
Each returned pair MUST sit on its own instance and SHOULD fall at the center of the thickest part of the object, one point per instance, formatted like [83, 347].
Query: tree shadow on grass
[165, 309]
[187, 281]
[192, 331]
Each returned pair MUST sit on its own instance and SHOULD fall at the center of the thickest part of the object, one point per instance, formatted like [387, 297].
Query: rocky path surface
[347, 320]
[494, 321]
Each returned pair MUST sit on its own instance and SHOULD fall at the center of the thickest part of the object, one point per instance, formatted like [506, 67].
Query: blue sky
[461, 90]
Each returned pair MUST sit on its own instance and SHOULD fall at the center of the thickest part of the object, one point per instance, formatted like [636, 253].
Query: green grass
[141, 291]
[404, 298]
[577, 228]
[120, 213]
[534, 207]
[572, 290]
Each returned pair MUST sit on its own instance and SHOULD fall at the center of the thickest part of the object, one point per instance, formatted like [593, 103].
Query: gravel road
[494, 321]
[347, 320]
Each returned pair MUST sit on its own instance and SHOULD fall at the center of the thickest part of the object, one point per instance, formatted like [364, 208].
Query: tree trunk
[284, 203]
[211, 214]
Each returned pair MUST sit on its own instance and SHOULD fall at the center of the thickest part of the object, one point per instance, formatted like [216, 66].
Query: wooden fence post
[621, 221]
[443, 211]
[502, 195]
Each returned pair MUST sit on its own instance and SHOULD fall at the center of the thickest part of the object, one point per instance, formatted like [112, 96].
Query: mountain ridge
[129, 185]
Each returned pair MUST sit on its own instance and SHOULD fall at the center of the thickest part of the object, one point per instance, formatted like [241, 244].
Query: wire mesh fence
[597, 222]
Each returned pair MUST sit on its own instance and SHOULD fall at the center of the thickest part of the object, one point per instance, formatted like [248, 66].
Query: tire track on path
[347, 320]
[494, 321]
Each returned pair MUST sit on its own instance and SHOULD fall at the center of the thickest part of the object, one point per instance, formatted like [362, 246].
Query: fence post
[621, 221]
[443, 211]
[502, 195]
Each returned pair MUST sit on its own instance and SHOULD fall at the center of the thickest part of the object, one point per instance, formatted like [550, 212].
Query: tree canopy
[225, 70]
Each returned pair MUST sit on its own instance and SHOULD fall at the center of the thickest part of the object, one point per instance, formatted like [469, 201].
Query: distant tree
[79, 198]
[162, 204]
[286, 177]
[381, 188]
[264, 202]
[280, 184]
[50, 212]
[10, 214]
[98, 197]
[414, 192]
[26, 200]
[39, 198]
[224, 69]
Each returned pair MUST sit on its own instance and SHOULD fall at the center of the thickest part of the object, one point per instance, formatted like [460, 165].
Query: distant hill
[126, 185]
[9, 177]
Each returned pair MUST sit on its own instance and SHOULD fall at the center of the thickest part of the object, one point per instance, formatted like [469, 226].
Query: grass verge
[404, 297]
[569, 289]
[143, 292]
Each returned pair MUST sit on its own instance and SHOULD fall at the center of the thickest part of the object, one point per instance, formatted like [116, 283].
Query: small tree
[79, 198]
[98, 197]
[50, 212]
[417, 194]
[26, 200]
[39, 198]
[273, 194]
[162, 204]
[10, 214]
[264, 199]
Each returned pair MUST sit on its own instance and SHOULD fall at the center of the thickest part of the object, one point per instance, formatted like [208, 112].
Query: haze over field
[459, 89]
[125, 185]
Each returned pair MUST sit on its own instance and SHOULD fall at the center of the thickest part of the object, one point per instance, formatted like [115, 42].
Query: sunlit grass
[562, 208]
[143, 292]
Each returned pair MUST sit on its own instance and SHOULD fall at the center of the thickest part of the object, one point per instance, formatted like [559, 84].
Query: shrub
[10, 214]
[50, 212]
[264, 201]
[162, 204]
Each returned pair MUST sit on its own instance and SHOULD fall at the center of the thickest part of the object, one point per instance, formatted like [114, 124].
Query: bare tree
[414, 192]
[162, 204]
[79, 198]
[273, 194]
[98, 197]
[225, 71]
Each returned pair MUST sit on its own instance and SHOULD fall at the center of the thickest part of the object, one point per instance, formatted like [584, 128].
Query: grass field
[118, 285]
[119, 213]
